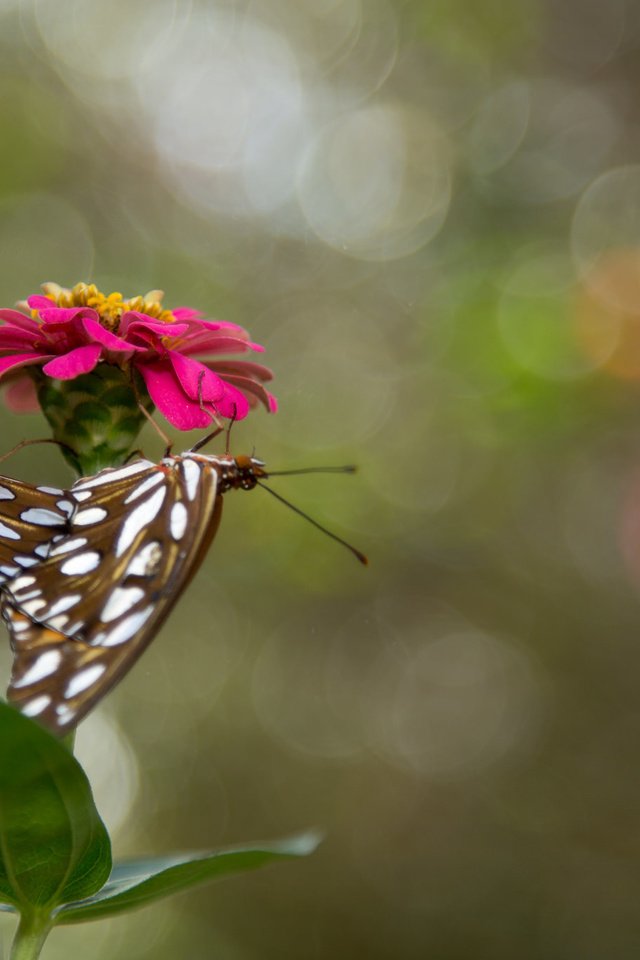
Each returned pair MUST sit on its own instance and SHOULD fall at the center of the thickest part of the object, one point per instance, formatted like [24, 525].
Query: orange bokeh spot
[607, 313]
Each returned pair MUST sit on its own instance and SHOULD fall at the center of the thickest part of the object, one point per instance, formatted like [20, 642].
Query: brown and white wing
[136, 539]
[30, 518]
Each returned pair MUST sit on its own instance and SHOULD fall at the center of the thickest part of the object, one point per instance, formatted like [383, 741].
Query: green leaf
[135, 883]
[53, 846]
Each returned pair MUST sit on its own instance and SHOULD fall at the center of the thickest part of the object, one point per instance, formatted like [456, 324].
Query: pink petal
[55, 315]
[241, 367]
[255, 390]
[21, 396]
[233, 328]
[21, 360]
[74, 363]
[12, 338]
[18, 319]
[210, 343]
[233, 404]
[197, 381]
[137, 323]
[170, 399]
[98, 334]
[39, 302]
[186, 313]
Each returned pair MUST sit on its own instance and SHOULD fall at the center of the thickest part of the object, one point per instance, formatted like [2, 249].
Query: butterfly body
[105, 575]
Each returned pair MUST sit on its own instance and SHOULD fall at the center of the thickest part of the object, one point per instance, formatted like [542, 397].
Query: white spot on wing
[109, 475]
[42, 550]
[64, 603]
[25, 561]
[81, 563]
[30, 595]
[86, 517]
[8, 571]
[191, 471]
[146, 561]
[138, 519]
[74, 544]
[41, 517]
[64, 712]
[125, 630]
[148, 484]
[32, 606]
[55, 490]
[6, 494]
[178, 520]
[120, 602]
[46, 664]
[57, 623]
[33, 707]
[81, 495]
[23, 582]
[86, 678]
[65, 506]
[7, 532]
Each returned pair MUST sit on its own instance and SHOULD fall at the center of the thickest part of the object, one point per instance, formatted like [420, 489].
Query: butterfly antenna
[357, 553]
[349, 468]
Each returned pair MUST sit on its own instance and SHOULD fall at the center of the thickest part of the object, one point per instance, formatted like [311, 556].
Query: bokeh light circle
[327, 29]
[537, 317]
[453, 704]
[375, 183]
[499, 126]
[104, 751]
[103, 41]
[605, 238]
[317, 346]
[227, 114]
[570, 131]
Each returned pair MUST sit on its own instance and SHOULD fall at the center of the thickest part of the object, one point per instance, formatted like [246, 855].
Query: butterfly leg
[28, 443]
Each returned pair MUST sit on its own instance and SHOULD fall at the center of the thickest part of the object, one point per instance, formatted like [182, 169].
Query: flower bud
[96, 416]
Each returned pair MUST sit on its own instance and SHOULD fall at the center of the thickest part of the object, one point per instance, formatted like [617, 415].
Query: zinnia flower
[67, 333]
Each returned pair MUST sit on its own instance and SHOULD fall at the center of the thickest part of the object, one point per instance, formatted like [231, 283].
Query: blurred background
[429, 213]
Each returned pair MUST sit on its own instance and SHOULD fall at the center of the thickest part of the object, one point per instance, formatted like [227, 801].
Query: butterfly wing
[30, 518]
[137, 537]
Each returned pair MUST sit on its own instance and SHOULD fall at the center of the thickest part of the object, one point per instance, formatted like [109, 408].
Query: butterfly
[99, 568]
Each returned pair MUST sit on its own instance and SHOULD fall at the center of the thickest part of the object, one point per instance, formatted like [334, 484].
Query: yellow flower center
[109, 307]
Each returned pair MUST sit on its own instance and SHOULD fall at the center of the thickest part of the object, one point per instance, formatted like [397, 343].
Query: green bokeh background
[429, 214]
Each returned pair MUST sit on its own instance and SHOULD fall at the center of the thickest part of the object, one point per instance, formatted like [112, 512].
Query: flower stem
[31, 934]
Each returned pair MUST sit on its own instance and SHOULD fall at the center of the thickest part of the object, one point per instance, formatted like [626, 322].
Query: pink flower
[70, 331]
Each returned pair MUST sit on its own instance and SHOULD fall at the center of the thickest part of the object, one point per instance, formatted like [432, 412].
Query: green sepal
[96, 416]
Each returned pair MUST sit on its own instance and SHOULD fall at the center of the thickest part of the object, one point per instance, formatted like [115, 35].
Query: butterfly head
[236, 473]
[248, 470]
